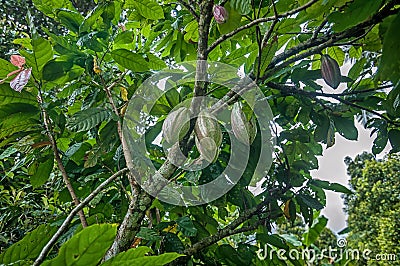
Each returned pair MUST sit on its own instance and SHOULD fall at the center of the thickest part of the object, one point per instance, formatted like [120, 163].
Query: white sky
[333, 169]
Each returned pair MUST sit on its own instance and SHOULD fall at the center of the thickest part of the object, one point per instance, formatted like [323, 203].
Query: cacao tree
[94, 136]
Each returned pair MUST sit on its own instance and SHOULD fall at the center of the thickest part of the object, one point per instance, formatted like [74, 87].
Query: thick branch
[71, 215]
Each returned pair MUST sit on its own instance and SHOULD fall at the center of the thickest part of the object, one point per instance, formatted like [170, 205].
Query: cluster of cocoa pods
[208, 134]
[330, 71]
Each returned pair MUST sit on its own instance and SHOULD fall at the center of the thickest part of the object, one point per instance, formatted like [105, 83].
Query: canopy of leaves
[61, 138]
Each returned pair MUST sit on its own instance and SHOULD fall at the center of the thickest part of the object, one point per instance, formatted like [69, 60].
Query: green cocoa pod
[208, 136]
[330, 71]
[176, 125]
[244, 130]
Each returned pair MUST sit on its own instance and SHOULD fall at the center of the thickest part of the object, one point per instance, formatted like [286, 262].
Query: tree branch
[189, 8]
[71, 215]
[313, 94]
[257, 21]
[230, 229]
[57, 157]
[316, 45]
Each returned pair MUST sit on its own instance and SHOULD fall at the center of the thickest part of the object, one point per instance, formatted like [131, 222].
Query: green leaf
[185, 225]
[30, 246]
[41, 54]
[356, 12]
[148, 234]
[130, 60]
[313, 233]
[137, 257]
[70, 19]
[88, 119]
[242, 6]
[50, 6]
[55, 69]
[8, 95]
[5, 68]
[233, 21]
[156, 63]
[274, 240]
[380, 141]
[394, 138]
[330, 186]
[42, 173]
[392, 103]
[87, 247]
[389, 66]
[310, 201]
[91, 18]
[149, 9]
[345, 127]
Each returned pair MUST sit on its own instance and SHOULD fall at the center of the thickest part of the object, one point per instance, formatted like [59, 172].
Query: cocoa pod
[220, 14]
[176, 125]
[244, 130]
[208, 136]
[330, 71]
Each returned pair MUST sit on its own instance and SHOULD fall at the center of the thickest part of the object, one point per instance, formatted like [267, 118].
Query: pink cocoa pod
[220, 14]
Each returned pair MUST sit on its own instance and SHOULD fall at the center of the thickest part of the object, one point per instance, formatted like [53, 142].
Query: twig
[189, 8]
[71, 215]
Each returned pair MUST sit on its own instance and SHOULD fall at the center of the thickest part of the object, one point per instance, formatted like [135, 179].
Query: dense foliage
[373, 209]
[63, 152]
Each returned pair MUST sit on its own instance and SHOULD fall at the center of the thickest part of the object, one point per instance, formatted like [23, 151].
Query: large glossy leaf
[345, 127]
[29, 247]
[313, 233]
[49, 7]
[42, 173]
[137, 257]
[5, 68]
[70, 19]
[185, 225]
[55, 69]
[130, 60]
[149, 9]
[41, 54]
[310, 201]
[356, 12]
[394, 138]
[88, 119]
[8, 95]
[389, 67]
[87, 247]
[242, 6]
[330, 186]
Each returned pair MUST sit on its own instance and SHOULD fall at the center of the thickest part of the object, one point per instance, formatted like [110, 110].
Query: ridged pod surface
[244, 130]
[330, 71]
[208, 136]
[176, 125]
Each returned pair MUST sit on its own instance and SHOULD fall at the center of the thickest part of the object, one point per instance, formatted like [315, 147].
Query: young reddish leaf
[17, 60]
[19, 82]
